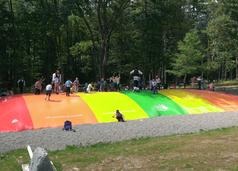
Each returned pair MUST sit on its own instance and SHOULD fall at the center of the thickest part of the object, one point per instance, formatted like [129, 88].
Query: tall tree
[189, 58]
[101, 18]
[222, 33]
[5, 30]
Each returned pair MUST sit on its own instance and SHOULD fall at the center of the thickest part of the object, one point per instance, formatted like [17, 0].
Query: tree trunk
[184, 81]
[165, 75]
[236, 68]
[104, 55]
[12, 75]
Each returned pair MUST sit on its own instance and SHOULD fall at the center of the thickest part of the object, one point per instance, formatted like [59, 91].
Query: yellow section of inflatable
[105, 104]
[191, 102]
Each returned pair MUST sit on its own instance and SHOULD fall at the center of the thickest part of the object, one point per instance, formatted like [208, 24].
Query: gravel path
[55, 138]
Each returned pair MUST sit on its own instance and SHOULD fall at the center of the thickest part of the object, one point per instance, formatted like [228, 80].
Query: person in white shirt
[56, 81]
[117, 79]
[76, 85]
[89, 88]
[48, 91]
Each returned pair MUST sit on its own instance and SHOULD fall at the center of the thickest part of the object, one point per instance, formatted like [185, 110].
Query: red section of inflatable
[14, 115]
[225, 101]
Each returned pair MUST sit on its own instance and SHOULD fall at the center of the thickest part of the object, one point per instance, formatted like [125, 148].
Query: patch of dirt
[123, 163]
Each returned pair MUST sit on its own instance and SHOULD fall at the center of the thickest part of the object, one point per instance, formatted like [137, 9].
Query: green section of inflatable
[105, 104]
[155, 104]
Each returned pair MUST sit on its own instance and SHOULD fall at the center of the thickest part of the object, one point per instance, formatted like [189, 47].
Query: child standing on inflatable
[68, 85]
[48, 91]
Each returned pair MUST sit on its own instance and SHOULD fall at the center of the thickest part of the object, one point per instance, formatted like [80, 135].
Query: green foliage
[91, 39]
[83, 47]
[189, 58]
[223, 37]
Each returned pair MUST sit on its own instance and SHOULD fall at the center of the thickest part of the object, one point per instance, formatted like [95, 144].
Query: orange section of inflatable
[53, 113]
[227, 102]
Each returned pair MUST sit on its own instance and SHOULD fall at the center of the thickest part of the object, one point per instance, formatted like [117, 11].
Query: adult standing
[102, 85]
[76, 85]
[199, 80]
[154, 86]
[56, 80]
[21, 84]
[158, 82]
[68, 85]
[193, 80]
[117, 79]
[38, 86]
[136, 75]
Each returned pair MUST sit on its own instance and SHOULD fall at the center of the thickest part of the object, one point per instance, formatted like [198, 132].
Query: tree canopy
[92, 39]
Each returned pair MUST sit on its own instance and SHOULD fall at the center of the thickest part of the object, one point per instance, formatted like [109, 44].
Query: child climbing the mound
[48, 91]
[119, 116]
[89, 88]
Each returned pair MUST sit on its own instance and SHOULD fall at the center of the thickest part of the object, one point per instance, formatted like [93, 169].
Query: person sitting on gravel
[119, 116]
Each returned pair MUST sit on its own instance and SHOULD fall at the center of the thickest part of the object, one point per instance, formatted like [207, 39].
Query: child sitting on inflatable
[119, 116]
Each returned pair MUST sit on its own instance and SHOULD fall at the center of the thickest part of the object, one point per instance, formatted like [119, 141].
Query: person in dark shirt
[21, 84]
[119, 116]
[136, 75]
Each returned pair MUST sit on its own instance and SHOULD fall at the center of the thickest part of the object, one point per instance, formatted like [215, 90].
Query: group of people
[56, 85]
[111, 84]
[155, 84]
[201, 83]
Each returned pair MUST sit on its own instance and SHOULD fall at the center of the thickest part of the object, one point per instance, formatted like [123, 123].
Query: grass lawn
[227, 83]
[212, 150]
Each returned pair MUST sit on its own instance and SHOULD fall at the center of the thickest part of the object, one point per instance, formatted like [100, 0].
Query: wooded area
[92, 39]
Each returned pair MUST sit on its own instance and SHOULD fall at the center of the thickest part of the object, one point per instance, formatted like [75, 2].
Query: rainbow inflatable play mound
[29, 111]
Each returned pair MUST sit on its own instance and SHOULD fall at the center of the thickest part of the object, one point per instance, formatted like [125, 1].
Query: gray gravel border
[56, 139]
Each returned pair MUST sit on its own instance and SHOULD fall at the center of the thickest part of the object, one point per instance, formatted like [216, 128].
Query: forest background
[94, 39]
